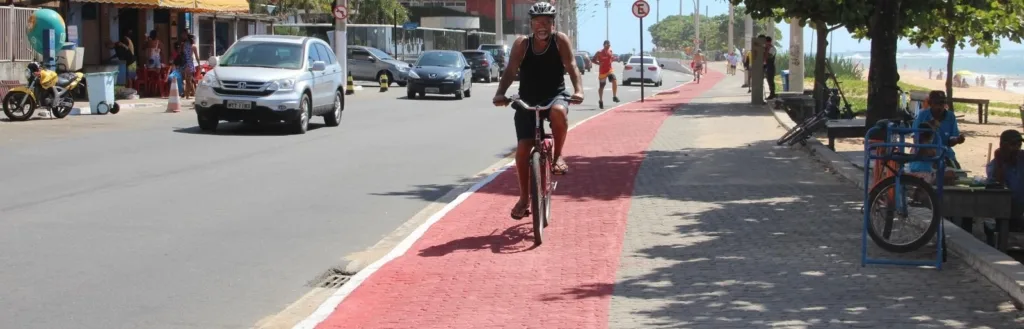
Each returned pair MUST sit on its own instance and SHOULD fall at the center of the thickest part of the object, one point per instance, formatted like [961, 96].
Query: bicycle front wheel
[807, 130]
[902, 217]
[537, 197]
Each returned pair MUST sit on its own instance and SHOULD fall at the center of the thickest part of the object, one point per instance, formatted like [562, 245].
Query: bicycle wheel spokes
[901, 216]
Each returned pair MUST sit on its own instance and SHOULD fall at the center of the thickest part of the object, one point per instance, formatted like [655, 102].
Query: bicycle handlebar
[518, 104]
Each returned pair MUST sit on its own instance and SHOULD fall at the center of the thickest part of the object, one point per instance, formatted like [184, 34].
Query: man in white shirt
[733, 61]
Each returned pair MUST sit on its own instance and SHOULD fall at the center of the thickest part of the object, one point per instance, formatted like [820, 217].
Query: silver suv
[271, 78]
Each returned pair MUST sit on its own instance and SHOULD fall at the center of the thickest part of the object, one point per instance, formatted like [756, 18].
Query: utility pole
[498, 20]
[732, 46]
[658, 10]
[607, 6]
[341, 38]
[696, 23]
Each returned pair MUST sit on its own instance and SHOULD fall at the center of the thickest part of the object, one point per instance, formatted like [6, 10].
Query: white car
[650, 67]
[270, 78]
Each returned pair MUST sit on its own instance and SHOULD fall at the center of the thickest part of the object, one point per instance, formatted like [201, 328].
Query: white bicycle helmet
[542, 9]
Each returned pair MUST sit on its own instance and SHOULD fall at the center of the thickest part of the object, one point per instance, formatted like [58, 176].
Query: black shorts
[603, 78]
[526, 123]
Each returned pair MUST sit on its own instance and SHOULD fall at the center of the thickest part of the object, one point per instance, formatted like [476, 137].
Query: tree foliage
[677, 32]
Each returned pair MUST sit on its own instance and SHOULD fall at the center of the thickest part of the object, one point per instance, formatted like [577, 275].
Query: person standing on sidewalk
[541, 60]
[769, 66]
[604, 59]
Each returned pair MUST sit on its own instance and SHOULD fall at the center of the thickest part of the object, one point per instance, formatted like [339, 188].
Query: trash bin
[785, 80]
[101, 91]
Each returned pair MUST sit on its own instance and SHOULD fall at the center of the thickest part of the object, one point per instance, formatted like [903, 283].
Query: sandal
[560, 168]
[520, 209]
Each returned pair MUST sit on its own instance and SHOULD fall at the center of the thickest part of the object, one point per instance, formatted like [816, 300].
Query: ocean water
[1007, 64]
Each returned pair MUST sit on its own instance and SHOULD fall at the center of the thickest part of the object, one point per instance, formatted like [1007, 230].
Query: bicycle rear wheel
[806, 131]
[537, 197]
[905, 221]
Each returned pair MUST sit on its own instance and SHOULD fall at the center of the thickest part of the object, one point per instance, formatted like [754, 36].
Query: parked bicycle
[901, 209]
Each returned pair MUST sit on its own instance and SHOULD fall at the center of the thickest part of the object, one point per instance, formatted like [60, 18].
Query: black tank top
[541, 74]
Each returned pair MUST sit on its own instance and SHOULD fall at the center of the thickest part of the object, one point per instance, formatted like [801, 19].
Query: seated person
[927, 169]
[1007, 169]
[948, 129]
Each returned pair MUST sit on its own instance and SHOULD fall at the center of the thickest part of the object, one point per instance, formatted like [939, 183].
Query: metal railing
[13, 23]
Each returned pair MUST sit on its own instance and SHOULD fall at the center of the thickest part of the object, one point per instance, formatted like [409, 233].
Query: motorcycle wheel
[60, 112]
[10, 104]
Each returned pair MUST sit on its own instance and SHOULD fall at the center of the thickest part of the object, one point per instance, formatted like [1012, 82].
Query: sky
[625, 32]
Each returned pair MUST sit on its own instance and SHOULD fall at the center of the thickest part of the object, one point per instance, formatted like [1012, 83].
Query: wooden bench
[845, 128]
[798, 106]
[982, 107]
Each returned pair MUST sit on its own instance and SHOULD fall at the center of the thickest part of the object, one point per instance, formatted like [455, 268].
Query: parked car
[586, 58]
[500, 53]
[484, 66]
[443, 72]
[580, 60]
[369, 64]
[650, 67]
[272, 78]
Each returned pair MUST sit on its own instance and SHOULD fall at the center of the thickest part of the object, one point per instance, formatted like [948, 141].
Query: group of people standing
[184, 57]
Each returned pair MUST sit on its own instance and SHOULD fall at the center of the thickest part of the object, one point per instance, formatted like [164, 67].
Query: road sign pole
[341, 35]
[642, 83]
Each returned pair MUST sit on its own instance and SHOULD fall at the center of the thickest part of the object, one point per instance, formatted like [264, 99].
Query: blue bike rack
[892, 130]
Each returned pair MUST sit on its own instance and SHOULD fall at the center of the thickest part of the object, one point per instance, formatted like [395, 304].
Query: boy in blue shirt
[926, 169]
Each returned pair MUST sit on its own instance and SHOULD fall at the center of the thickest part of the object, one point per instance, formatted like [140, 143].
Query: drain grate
[332, 278]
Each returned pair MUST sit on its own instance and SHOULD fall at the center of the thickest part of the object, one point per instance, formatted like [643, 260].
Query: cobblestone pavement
[726, 230]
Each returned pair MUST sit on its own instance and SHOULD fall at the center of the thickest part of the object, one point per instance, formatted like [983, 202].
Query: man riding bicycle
[604, 59]
[541, 60]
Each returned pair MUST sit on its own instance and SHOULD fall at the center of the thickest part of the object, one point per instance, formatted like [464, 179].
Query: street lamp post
[607, 5]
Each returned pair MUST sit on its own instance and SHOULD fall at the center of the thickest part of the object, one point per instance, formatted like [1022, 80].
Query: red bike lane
[476, 268]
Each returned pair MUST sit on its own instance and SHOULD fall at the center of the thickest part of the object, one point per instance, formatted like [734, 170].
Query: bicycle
[888, 196]
[541, 159]
[696, 71]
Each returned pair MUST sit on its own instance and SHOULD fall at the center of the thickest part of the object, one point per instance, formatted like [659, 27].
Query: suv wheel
[333, 119]
[208, 122]
[301, 125]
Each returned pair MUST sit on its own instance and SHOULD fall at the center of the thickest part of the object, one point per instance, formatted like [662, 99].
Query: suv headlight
[282, 85]
[210, 80]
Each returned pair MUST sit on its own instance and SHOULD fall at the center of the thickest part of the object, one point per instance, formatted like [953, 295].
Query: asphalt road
[140, 221]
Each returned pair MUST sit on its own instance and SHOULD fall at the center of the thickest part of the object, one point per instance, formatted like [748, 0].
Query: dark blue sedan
[443, 72]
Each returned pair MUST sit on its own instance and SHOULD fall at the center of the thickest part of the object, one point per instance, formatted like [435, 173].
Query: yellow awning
[130, 3]
[178, 4]
[222, 6]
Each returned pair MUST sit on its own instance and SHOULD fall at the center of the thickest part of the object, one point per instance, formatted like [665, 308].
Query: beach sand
[920, 78]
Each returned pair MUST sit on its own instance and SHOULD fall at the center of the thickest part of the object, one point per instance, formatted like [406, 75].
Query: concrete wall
[13, 71]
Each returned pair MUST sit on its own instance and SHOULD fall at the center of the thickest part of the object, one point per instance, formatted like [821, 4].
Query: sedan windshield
[263, 54]
[444, 59]
[380, 54]
[636, 60]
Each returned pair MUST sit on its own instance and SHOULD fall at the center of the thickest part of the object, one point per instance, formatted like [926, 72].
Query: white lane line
[329, 305]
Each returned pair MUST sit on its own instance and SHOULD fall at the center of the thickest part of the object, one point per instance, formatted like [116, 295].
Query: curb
[124, 106]
[1002, 270]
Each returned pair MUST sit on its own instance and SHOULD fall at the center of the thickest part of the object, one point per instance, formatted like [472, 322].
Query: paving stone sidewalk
[726, 230]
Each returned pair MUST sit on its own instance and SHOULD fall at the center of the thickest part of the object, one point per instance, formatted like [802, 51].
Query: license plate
[433, 90]
[239, 105]
[639, 69]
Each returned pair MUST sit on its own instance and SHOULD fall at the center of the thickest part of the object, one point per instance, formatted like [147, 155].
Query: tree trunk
[819, 65]
[883, 99]
[950, 51]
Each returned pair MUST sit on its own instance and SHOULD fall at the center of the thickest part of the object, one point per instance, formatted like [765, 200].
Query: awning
[220, 6]
[178, 4]
[128, 3]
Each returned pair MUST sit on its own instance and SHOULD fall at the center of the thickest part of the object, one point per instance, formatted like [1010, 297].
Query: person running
[604, 59]
[542, 58]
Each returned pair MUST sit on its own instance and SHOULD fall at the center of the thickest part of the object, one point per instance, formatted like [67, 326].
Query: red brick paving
[475, 269]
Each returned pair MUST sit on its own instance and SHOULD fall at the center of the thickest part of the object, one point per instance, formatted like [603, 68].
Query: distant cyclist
[604, 59]
[698, 62]
[541, 60]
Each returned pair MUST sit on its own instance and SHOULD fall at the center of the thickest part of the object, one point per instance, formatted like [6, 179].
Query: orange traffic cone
[173, 104]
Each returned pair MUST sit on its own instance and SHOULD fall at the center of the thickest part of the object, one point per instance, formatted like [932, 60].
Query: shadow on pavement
[246, 129]
[515, 239]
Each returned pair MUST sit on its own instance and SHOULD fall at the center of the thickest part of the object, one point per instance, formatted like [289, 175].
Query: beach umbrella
[964, 73]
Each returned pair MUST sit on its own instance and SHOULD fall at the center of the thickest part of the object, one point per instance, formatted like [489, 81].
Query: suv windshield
[380, 54]
[263, 54]
[445, 59]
